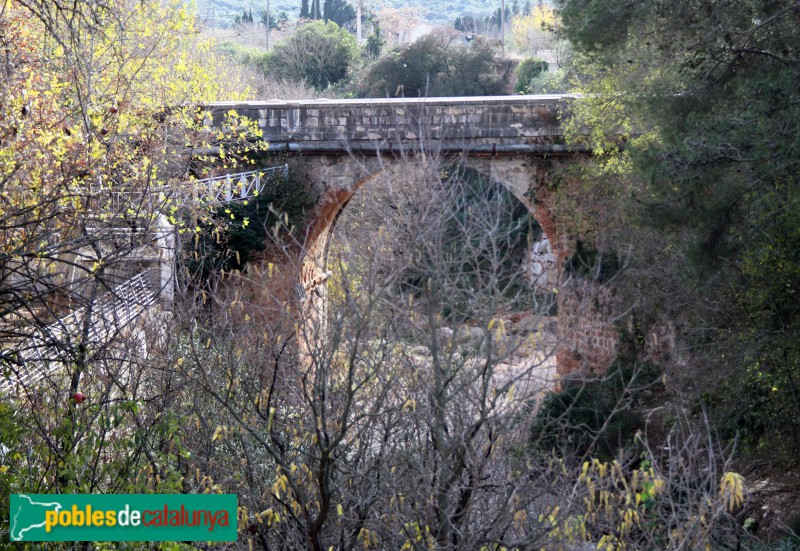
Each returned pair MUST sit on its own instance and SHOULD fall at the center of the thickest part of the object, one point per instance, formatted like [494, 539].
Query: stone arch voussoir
[337, 179]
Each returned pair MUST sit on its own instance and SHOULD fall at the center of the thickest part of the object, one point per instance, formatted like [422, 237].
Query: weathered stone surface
[513, 140]
[456, 122]
[540, 265]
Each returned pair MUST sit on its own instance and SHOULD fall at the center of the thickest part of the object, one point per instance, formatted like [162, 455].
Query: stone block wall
[515, 140]
[588, 339]
[587, 336]
[480, 122]
[540, 266]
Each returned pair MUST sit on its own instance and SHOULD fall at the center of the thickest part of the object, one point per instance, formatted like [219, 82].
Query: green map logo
[132, 517]
[28, 514]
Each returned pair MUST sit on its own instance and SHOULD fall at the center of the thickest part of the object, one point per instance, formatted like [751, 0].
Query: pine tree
[304, 13]
[273, 23]
[245, 18]
[717, 87]
[340, 12]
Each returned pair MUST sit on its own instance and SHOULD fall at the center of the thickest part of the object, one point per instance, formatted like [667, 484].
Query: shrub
[320, 53]
[233, 232]
[595, 417]
[435, 65]
[528, 70]
[590, 263]
[340, 12]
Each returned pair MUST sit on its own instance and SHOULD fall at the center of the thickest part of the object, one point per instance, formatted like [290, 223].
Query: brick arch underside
[524, 178]
[337, 180]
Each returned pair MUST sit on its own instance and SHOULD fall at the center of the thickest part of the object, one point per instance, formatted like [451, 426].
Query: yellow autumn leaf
[732, 490]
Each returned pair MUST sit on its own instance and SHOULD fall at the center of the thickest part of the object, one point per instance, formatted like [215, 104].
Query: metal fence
[233, 187]
[40, 354]
[204, 192]
[31, 360]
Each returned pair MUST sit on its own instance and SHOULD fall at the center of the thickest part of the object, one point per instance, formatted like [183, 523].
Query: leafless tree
[395, 408]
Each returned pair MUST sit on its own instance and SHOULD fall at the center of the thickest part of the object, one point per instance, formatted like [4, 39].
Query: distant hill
[221, 13]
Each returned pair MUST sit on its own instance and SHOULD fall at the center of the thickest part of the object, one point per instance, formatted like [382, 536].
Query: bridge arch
[523, 178]
[341, 145]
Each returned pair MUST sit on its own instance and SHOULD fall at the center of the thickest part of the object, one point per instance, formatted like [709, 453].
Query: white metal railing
[233, 187]
[207, 191]
[34, 358]
[30, 361]
[138, 202]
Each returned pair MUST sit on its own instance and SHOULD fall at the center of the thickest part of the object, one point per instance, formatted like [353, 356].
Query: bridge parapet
[477, 125]
[344, 144]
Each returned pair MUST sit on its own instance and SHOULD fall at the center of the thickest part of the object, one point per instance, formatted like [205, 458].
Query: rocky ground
[524, 347]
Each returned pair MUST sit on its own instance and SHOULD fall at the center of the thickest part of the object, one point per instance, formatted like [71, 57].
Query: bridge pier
[587, 341]
[516, 141]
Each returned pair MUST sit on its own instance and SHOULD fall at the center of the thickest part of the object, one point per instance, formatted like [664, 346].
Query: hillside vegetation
[223, 12]
[388, 381]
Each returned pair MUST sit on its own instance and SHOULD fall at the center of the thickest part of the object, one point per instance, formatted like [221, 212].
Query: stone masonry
[340, 145]
[477, 125]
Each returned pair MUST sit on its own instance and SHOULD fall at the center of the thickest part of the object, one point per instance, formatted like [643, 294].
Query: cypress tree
[340, 12]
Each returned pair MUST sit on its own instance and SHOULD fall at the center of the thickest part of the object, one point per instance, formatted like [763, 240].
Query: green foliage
[596, 417]
[406, 72]
[340, 12]
[761, 405]
[490, 24]
[87, 88]
[719, 116]
[556, 82]
[593, 264]
[68, 448]
[245, 18]
[375, 41]
[495, 20]
[436, 66]
[714, 96]
[227, 241]
[228, 238]
[253, 57]
[320, 53]
[471, 25]
[273, 22]
[316, 10]
[528, 70]
[440, 11]
[11, 432]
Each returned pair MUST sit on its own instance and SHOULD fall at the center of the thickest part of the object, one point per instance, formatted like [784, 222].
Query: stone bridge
[514, 140]
[496, 125]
